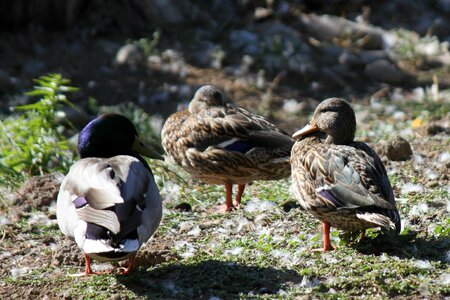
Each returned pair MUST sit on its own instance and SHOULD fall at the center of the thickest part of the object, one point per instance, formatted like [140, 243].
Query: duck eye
[112, 174]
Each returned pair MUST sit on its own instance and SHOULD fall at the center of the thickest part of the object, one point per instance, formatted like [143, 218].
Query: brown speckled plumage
[341, 182]
[220, 143]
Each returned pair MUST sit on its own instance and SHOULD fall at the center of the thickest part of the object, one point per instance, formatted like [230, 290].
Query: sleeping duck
[109, 202]
[340, 181]
[220, 143]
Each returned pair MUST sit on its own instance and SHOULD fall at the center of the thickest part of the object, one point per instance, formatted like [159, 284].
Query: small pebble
[183, 206]
[289, 205]
[397, 149]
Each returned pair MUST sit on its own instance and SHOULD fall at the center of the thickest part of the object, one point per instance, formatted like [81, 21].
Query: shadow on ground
[205, 279]
[408, 245]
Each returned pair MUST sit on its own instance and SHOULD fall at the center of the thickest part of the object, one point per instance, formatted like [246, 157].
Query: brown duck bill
[310, 127]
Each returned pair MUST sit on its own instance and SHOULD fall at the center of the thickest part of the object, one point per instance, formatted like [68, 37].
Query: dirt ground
[35, 258]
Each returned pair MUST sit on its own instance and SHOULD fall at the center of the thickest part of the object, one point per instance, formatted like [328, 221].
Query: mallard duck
[109, 202]
[340, 181]
[220, 143]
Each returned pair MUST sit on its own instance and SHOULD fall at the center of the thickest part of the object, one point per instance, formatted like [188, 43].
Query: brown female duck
[220, 143]
[341, 182]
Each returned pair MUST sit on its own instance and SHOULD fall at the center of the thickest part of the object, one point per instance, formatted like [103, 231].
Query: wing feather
[346, 187]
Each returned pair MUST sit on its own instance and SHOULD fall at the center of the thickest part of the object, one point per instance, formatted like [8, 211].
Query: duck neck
[338, 140]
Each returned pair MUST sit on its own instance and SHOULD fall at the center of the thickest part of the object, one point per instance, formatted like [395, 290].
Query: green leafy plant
[149, 45]
[31, 142]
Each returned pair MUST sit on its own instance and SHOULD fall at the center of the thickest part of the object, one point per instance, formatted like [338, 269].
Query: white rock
[16, 272]
[234, 251]
[445, 279]
[188, 248]
[264, 231]
[390, 109]
[444, 157]
[406, 132]
[5, 254]
[430, 174]
[186, 226]
[411, 188]
[195, 231]
[418, 159]
[309, 283]
[399, 115]
[4, 220]
[430, 49]
[291, 106]
[397, 95]
[257, 205]
[244, 225]
[419, 209]
[418, 94]
[423, 264]
[171, 190]
[129, 54]
[39, 218]
[101, 267]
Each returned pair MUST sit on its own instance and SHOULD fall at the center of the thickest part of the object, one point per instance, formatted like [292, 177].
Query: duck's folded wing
[346, 179]
[104, 218]
[134, 178]
[233, 130]
[135, 182]
[378, 168]
[109, 192]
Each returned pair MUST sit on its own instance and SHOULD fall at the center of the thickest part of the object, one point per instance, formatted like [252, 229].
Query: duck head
[335, 118]
[110, 135]
[205, 97]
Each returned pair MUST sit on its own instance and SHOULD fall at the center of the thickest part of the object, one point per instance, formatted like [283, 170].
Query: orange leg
[229, 194]
[131, 261]
[241, 188]
[326, 237]
[88, 270]
[228, 206]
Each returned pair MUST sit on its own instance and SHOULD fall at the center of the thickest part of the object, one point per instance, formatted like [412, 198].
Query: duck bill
[141, 148]
[305, 130]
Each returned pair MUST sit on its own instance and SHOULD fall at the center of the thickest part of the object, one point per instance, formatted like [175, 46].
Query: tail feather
[386, 218]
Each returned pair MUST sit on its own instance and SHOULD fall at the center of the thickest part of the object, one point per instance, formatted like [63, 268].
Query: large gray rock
[397, 149]
[383, 70]
[328, 28]
[161, 11]
[244, 40]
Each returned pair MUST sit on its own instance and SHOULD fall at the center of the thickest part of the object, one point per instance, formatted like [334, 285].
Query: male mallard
[109, 202]
[220, 143]
[341, 182]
